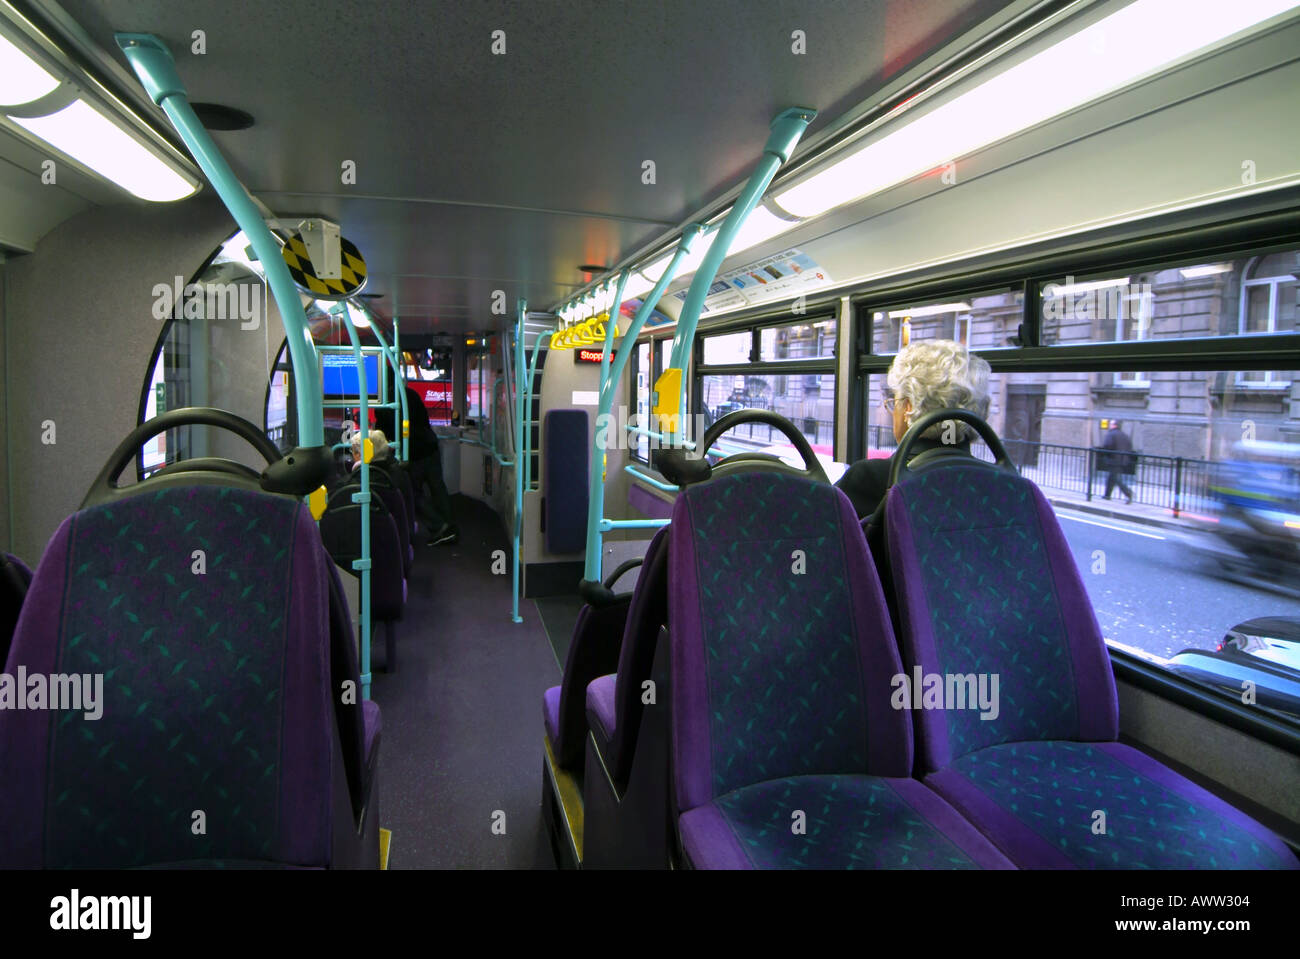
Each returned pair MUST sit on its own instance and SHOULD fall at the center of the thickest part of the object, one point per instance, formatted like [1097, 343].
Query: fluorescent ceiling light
[22, 80]
[1193, 272]
[760, 226]
[1139, 40]
[930, 310]
[637, 286]
[89, 137]
[359, 318]
[1054, 289]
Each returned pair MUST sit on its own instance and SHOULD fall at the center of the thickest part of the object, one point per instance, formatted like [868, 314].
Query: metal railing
[1176, 483]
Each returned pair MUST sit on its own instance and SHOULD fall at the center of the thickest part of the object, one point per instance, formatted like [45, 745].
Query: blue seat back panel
[991, 594]
[214, 685]
[782, 651]
[567, 447]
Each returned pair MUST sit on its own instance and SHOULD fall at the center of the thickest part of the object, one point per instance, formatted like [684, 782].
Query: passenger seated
[924, 377]
[382, 458]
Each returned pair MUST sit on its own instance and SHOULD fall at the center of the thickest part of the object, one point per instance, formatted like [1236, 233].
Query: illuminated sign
[590, 356]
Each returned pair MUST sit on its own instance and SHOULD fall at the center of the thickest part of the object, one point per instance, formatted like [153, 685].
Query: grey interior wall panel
[81, 331]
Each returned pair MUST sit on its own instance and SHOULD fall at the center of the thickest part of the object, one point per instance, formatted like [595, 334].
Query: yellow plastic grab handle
[668, 400]
[316, 502]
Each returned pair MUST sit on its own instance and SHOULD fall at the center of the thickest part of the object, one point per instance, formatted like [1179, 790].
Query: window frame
[772, 316]
[1270, 382]
[1164, 243]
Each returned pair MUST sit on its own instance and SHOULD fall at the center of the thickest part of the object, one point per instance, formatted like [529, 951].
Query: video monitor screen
[339, 376]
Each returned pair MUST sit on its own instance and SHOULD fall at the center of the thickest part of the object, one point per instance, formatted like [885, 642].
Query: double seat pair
[797, 735]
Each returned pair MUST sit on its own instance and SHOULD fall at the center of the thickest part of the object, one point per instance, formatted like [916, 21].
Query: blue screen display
[339, 375]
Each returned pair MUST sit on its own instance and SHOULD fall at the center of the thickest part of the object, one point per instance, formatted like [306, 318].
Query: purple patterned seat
[786, 752]
[340, 530]
[593, 652]
[988, 592]
[199, 618]
[614, 703]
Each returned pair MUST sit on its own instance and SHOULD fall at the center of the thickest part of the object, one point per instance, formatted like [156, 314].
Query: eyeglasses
[888, 400]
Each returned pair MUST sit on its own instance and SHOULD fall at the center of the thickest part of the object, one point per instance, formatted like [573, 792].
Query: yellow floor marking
[570, 798]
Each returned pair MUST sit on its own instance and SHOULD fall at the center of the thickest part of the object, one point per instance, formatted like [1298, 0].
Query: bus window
[642, 374]
[1248, 296]
[798, 341]
[984, 321]
[807, 400]
[1182, 512]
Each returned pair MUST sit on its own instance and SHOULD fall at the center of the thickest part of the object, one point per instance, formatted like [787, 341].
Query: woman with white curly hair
[924, 377]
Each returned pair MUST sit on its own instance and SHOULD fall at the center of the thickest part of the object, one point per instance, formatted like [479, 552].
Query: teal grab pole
[153, 64]
[596, 470]
[596, 501]
[608, 524]
[401, 391]
[528, 437]
[787, 128]
[399, 402]
[363, 564]
[650, 480]
[519, 451]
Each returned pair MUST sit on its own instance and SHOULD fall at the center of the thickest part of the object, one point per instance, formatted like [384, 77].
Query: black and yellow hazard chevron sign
[349, 283]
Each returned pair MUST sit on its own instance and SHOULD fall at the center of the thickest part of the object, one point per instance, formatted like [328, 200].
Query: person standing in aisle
[432, 503]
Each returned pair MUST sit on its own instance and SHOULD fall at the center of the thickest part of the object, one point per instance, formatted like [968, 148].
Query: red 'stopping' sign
[590, 356]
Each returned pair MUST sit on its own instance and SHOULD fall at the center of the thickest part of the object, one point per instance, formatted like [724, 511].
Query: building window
[1268, 305]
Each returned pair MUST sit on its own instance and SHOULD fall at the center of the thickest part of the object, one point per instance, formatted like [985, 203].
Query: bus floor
[460, 767]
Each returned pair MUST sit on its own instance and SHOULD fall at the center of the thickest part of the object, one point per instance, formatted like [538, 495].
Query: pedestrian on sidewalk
[1117, 459]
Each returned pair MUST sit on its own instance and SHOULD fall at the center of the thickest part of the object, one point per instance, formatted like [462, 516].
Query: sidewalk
[1157, 516]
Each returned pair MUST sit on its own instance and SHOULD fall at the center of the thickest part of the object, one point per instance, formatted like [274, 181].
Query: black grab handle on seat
[602, 594]
[898, 468]
[683, 470]
[299, 473]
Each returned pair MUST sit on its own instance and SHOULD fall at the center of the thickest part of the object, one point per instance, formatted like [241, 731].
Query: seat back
[15, 578]
[396, 507]
[566, 450]
[986, 588]
[199, 618]
[396, 472]
[340, 530]
[593, 652]
[646, 616]
[782, 651]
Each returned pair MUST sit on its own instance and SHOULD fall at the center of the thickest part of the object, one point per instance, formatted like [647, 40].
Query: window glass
[430, 377]
[986, 321]
[808, 401]
[798, 341]
[154, 454]
[217, 349]
[477, 376]
[1245, 296]
[1200, 533]
[727, 348]
[642, 372]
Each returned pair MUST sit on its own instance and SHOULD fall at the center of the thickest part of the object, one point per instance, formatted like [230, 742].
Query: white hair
[377, 439]
[941, 374]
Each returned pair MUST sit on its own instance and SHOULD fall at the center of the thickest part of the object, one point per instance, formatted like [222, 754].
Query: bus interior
[643, 271]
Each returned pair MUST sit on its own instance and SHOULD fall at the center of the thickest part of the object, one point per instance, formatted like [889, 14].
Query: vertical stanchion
[787, 128]
[519, 450]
